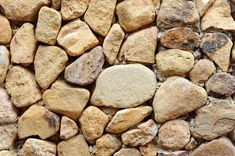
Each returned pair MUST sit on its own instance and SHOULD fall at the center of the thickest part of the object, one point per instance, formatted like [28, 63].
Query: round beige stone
[4, 62]
[5, 30]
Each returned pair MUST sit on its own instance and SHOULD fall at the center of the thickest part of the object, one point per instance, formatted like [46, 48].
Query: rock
[134, 14]
[8, 135]
[68, 128]
[19, 83]
[122, 121]
[203, 6]
[174, 62]
[72, 9]
[56, 4]
[180, 38]
[218, 16]
[49, 62]
[93, 122]
[202, 70]
[7, 153]
[76, 37]
[142, 135]
[173, 14]
[86, 68]
[37, 120]
[112, 43]
[148, 150]
[177, 96]
[214, 148]
[4, 62]
[232, 135]
[233, 55]
[48, 25]
[140, 46]
[217, 46]
[38, 147]
[124, 86]
[99, 15]
[5, 31]
[169, 153]
[192, 144]
[23, 45]
[214, 120]
[127, 152]
[65, 99]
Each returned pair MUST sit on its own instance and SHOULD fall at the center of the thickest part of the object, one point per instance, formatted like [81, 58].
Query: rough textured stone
[8, 134]
[233, 55]
[203, 5]
[76, 37]
[177, 96]
[68, 128]
[176, 153]
[5, 30]
[127, 152]
[4, 62]
[192, 144]
[124, 86]
[148, 150]
[7, 153]
[86, 68]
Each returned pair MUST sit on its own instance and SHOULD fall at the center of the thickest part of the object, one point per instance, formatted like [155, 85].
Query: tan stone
[56, 4]
[203, 5]
[8, 135]
[5, 30]
[192, 144]
[7, 153]
[68, 128]
[148, 150]
[233, 54]
[4, 62]
[127, 152]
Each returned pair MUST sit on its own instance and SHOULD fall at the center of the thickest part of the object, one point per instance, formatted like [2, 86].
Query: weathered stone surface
[127, 118]
[124, 86]
[177, 96]
[7, 153]
[148, 150]
[5, 30]
[192, 144]
[140, 46]
[49, 62]
[37, 120]
[76, 37]
[133, 14]
[174, 62]
[65, 99]
[203, 5]
[127, 152]
[23, 45]
[8, 134]
[68, 128]
[4, 62]
[48, 25]
[86, 68]
[233, 55]
[22, 87]
[169, 153]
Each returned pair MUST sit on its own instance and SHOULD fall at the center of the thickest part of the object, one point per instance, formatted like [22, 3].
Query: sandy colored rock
[133, 14]
[177, 96]
[174, 62]
[192, 144]
[8, 134]
[127, 118]
[23, 45]
[148, 150]
[56, 4]
[7, 153]
[76, 38]
[5, 30]
[19, 83]
[140, 46]
[37, 120]
[86, 68]
[4, 62]
[170, 153]
[127, 152]
[203, 5]
[124, 86]
[48, 25]
[68, 128]
[49, 62]
[65, 99]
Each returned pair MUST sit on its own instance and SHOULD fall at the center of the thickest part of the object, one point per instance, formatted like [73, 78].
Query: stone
[203, 6]
[214, 120]
[202, 70]
[174, 62]
[140, 46]
[56, 4]
[23, 45]
[71, 9]
[7, 153]
[19, 83]
[112, 43]
[5, 30]
[174, 135]
[148, 150]
[48, 25]
[8, 135]
[233, 55]
[99, 15]
[127, 152]
[170, 153]
[37, 120]
[76, 38]
[173, 14]
[86, 68]
[74, 146]
[49, 62]
[180, 38]
[122, 121]
[68, 128]
[66, 99]
[124, 86]
[38, 147]
[4, 62]
[177, 96]
[143, 134]
[192, 144]
[217, 46]
[134, 14]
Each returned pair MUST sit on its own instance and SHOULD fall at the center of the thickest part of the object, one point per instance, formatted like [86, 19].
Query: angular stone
[124, 86]
[86, 68]
[76, 37]
[8, 134]
[203, 5]
[68, 128]
[127, 152]
[176, 153]
[22, 87]
[134, 14]
[5, 30]
[4, 62]
[174, 62]
[37, 120]
[7, 153]
[49, 62]
[48, 25]
[192, 144]
[148, 150]
[122, 121]
[177, 96]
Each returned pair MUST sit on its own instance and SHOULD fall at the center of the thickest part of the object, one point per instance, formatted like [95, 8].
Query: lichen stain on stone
[50, 118]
